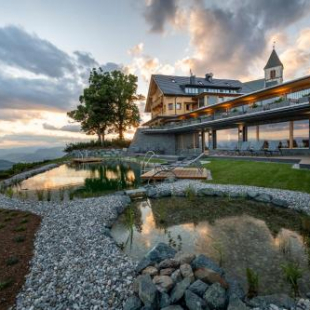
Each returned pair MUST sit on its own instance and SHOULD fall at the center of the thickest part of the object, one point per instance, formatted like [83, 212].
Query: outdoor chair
[273, 147]
[233, 149]
[245, 147]
[257, 147]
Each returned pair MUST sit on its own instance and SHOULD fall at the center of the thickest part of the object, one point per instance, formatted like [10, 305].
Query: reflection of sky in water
[243, 241]
[74, 175]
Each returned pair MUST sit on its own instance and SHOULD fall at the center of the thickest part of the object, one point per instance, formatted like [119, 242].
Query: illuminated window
[170, 106]
[188, 106]
[179, 106]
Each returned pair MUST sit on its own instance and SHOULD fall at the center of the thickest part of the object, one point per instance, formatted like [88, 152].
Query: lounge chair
[233, 149]
[245, 147]
[273, 147]
[257, 147]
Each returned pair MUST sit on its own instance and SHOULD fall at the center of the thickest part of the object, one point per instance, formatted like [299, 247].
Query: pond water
[238, 234]
[79, 180]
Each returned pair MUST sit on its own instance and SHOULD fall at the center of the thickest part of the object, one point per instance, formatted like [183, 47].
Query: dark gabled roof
[254, 85]
[174, 85]
[273, 61]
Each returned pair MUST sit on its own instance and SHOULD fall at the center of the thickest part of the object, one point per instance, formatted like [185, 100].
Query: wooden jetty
[87, 160]
[178, 172]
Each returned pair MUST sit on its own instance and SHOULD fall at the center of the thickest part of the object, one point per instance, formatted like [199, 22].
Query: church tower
[273, 70]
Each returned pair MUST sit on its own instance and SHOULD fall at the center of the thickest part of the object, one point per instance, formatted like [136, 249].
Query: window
[179, 106]
[188, 106]
[301, 134]
[272, 74]
[170, 106]
[226, 138]
[173, 80]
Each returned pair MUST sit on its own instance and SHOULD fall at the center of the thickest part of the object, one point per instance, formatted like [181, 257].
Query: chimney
[192, 80]
[209, 77]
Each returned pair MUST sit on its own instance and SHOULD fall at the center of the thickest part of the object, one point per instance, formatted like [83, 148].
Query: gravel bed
[296, 200]
[77, 265]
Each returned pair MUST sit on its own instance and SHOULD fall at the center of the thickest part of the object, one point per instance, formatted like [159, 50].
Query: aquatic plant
[48, 195]
[40, 194]
[71, 195]
[61, 194]
[253, 282]
[190, 192]
[292, 272]
[9, 192]
[305, 223]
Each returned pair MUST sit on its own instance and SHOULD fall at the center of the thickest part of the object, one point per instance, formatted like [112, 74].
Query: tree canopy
[108, 104]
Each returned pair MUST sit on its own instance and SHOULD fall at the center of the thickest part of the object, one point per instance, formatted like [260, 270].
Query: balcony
[249, 111]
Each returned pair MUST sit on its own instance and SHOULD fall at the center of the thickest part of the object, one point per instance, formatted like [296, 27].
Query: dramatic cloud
[136, 50]
[14, 115]
[160, 12]
[27, 51]
[226, 40]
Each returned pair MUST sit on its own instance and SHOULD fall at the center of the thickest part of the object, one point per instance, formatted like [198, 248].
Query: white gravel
[77, 265]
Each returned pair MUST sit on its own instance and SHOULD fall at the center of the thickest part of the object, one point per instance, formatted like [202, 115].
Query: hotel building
[193, 114]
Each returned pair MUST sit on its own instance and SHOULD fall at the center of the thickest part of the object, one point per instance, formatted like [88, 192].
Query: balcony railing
[218, 116]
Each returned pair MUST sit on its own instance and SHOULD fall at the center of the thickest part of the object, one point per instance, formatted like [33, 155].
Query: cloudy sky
[47, 48]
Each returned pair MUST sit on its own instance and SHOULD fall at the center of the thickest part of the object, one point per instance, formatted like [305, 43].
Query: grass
[19, 239]
[20, 228]
[5, 284]
[12, 260]
[272, 175]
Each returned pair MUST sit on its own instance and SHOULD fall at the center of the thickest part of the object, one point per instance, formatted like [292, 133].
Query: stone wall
[159, 143]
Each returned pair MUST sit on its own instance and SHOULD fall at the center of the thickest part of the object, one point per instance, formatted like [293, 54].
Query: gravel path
[77, 265]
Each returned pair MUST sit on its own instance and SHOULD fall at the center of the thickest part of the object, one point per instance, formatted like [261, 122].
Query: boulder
[236, 304]
[215, 296]
[151, 193]
[280, 202]
[263, 198]
[198, 287]
[193, 301]
[209, 276]
[173, 307]
[163, 283]
[164, 193]
[147, 290]
[184, 258]
[280, 300]
[206, 192]
[167, 271]
[251, 194]
[179, 290]
[187, 272]
[158, 253]
[133, 303]
[203, 261]
[169, 263]
[219, 193]
[235, 288]
[151, 270]
[176, 276]
[164, 300]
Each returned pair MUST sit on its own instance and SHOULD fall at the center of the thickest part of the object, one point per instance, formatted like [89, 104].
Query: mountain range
[28, 155]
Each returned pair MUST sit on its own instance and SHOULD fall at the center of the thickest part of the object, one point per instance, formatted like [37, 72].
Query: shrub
[292, 273]
[40, 194]
[24, 221]
[190, 192]
[5, 284]
[12, 260]
[114, 143]
[19, 239]
[2, 226]
[252, 279]
[20, 228]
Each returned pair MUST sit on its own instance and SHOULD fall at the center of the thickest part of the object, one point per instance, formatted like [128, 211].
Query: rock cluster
[170, 280]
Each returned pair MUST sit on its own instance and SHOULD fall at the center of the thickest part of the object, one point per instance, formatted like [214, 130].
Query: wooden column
[291, 134]
[203, 142]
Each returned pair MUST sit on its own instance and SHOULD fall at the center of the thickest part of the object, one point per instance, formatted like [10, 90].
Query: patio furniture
[273, 147]
[257, 147]
[245, 147]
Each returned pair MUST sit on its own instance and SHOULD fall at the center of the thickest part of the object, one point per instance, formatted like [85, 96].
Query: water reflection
[237, 234]
[82, 180]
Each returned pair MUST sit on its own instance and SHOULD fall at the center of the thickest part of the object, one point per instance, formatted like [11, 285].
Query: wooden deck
[179, 173]
[87, 160]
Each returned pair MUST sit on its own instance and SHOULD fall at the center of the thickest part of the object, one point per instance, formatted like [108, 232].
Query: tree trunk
[121, 132]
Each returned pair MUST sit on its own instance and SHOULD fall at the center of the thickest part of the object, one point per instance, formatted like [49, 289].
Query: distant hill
[5, 164]
[37, 155]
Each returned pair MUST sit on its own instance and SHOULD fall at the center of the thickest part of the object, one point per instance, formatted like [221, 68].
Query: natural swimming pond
[79, 180]
[237, 234]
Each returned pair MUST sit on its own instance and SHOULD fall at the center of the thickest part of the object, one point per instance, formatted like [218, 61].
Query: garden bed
[17, 232]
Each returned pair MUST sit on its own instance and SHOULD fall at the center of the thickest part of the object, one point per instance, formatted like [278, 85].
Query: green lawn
[272, 175]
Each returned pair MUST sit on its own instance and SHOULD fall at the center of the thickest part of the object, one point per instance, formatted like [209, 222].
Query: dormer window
[272, 74]
[200, 83]
[173, 80]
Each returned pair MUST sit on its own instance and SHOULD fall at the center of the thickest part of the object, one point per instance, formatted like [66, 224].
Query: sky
[48, 47]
